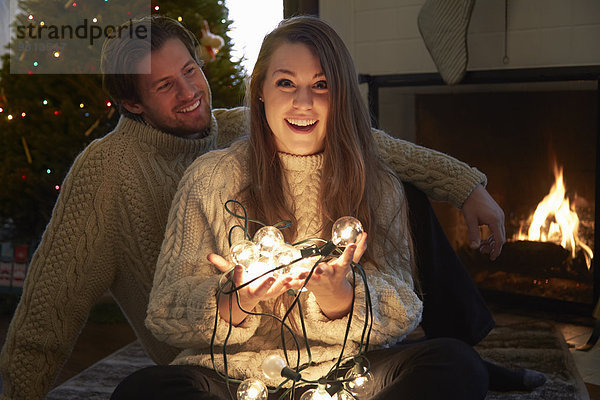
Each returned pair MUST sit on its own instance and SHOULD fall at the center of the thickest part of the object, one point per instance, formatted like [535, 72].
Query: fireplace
[523, 128]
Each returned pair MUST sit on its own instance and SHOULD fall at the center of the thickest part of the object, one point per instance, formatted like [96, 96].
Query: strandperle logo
[86, 30]
[54, 37]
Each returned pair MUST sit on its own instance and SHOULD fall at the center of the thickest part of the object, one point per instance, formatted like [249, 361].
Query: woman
[310, 159]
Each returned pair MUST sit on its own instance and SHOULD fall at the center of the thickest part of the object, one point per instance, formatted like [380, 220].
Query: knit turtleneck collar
[166, 143]
[295, 162]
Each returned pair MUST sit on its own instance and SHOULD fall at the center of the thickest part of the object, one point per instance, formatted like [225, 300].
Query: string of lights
[267, 254]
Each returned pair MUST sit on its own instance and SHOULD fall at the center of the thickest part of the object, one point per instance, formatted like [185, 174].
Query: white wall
[384, 38]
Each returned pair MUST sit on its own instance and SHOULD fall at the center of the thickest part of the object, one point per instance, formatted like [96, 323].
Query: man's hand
[481, 209]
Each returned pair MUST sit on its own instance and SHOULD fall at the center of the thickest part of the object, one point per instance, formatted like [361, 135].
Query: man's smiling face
[174, 96]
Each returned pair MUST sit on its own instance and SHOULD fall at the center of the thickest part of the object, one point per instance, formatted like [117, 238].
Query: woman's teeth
[302, 122]
[190, 108]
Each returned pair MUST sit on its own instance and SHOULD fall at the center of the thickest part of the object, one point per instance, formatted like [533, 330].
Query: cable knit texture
[105, 234]
[183, 300]
[442, 177]
[107, 228]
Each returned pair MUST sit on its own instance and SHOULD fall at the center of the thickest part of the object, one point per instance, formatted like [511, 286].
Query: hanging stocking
[443, 25]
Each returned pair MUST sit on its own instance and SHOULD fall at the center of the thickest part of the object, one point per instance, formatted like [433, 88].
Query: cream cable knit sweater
[107, 228]
[182, 304]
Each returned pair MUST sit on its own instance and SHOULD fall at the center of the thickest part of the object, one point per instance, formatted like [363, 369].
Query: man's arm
[60, 287]
[440, 176]
[444, 178]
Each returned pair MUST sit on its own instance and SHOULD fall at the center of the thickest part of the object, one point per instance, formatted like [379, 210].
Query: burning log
[534, 268]
[541, 259]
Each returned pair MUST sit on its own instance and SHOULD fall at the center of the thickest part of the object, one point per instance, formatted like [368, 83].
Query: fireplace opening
[537, 146]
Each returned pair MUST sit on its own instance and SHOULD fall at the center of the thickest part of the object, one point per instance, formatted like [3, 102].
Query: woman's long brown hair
[354, 173]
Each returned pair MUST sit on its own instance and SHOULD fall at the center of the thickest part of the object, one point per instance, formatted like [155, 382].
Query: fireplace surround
[555, 91]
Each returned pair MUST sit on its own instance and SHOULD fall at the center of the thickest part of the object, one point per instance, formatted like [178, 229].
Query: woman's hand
[329, 284]
[250, 295]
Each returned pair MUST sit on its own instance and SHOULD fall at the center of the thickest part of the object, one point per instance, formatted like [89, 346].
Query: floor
[97, 340]
[576, 331]
[588, 362]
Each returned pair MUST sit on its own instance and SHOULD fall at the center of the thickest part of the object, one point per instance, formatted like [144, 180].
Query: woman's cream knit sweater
[182, 304]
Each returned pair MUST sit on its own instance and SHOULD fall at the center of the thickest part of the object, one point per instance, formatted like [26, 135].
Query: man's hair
[123, 51]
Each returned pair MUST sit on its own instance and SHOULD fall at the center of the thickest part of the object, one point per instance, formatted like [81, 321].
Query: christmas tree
[47, 119]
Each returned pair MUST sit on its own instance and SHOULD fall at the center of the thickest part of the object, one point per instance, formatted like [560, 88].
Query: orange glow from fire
[554, 220]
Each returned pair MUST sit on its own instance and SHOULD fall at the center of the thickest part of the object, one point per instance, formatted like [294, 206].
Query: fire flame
[554, 220]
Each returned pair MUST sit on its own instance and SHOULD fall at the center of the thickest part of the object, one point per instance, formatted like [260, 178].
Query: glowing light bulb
[30, 17]
[284, 255]
[316, 394]
[360, 382]
[272, 366]
[244, 253]
[252, 389]
[23, 114]
[81, 105]
[45, 102]
[48, 171]
[156, 8]
[179, 19]
[56, 54]
[268, 238]
[9, 117]
[94, 20]
[346, 230]
[256, 269]
[343, 395]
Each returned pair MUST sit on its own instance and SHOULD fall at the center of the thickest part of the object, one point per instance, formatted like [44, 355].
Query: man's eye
[284, 83]
[190, 70]
[164, 86]
[321, 85]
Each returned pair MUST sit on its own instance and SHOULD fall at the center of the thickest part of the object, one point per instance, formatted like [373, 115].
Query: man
[108, 223]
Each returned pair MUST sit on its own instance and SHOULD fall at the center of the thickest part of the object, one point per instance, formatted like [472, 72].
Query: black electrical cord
[323, 251]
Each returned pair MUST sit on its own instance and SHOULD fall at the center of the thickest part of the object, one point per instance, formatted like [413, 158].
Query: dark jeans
[425, 370]
[452, 305]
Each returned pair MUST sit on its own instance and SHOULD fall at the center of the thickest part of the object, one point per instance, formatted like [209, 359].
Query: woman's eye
[284, 83]
[321, 85]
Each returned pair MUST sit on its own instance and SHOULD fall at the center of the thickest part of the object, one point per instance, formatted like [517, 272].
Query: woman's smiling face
[296, 99]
